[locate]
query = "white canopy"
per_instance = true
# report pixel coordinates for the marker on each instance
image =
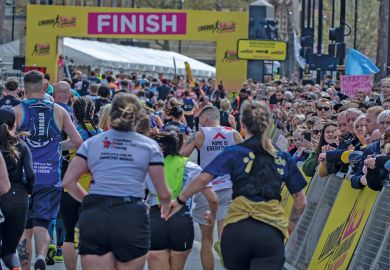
(108, 56)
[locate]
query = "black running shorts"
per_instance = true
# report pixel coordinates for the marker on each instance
(176, 234)
(122, 229)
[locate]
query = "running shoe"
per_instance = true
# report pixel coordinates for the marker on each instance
(51, 252)
(59, 257)
(40, 265)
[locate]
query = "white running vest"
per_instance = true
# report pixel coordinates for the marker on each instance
(215, 140)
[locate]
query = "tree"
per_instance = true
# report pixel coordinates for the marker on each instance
(382, 39)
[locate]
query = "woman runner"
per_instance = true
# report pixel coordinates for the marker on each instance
(255, 227)
(171, 241)
(118, 160)
(14, 204)
(83, 109)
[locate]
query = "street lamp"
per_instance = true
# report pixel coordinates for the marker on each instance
(181, 6)
(13, 6)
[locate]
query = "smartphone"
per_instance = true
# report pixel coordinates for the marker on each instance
(307, 136)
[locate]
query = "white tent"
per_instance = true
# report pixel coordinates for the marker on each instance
(9, 50)
(108, 56)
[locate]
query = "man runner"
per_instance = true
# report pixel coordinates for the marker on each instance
(44, 120)
(210, 140)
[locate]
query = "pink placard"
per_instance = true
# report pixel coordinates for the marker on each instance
(137, 23)
(351, 84)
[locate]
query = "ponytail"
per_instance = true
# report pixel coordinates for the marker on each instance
(256, 117)
(126, 112)
(8, 142)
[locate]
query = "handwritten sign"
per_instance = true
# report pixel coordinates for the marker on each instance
(351, 84)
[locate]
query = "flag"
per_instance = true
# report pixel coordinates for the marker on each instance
(189, 73)
(174, 67)
(359, 64)
(297, 48)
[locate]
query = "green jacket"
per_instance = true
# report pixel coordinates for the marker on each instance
(310, 164)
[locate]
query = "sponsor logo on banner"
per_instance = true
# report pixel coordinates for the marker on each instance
(137, 23)
(41, 49)
(230, 56)
(59, 21)
(343, 229)
(218, 27)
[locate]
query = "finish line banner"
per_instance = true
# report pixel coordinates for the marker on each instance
(343, 228)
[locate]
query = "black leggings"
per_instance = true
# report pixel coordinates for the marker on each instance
(14, 206)
(70, 211)
(251, 244)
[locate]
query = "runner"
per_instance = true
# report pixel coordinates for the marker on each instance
(10, 98)
(176, 113)
(226, 118)
(171, 241)
(70, 208)
(14, 204)
(44, 120)
(118, 159)
(4, 181)
(210, 140)
(255, 225)
(189, 106)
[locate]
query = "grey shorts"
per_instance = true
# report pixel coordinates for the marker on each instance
(201, 205)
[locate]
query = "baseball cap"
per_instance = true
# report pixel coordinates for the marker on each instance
(7, 116)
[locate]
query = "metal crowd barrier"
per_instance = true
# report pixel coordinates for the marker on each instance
(321, 196)
(373, 249)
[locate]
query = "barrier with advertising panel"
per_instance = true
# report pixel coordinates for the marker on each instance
(343, 228)
(45, 24)
(287, 200)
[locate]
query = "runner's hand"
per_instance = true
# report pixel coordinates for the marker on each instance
(322, 157)
(210, 219)
(164, 210)
(174, 207)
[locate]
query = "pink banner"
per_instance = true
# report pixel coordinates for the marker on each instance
(351, 84)
(150, 23)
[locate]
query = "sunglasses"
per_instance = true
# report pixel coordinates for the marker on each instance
(323, 108)
(317, 131)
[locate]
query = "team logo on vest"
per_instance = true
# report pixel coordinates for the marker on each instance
(106, 143)
(249, 162)
(218, 143)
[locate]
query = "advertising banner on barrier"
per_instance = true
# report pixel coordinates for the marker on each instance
(287, 200)
(343, 228)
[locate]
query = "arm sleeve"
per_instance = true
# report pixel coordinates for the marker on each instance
(83, 150)
(222, 164)
(28, 169)
(309, 165)
(374, 179)
(156, 156)
(334, 156)
(295, 181)
(355, 181)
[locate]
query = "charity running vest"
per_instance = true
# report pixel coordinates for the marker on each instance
(44, 141)
(215, 140)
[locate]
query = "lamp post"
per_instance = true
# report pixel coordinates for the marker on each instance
(181, 6)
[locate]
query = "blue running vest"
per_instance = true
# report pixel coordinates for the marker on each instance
(44, 141)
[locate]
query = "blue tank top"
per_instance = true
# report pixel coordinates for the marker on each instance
(44, 141)
(188, 104)
(152, 120)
